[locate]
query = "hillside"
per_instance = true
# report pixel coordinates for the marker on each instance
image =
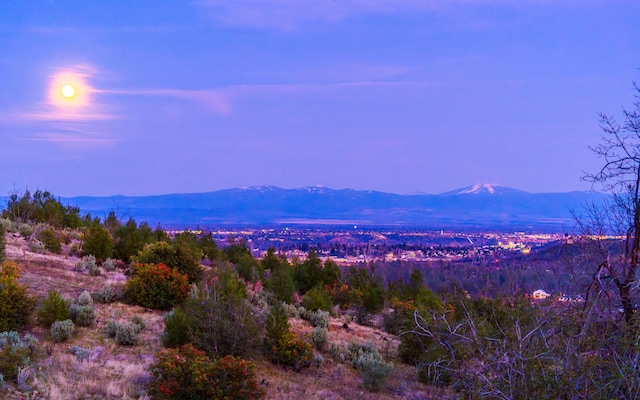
(112, 371)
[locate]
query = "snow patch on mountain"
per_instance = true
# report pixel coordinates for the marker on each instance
(483, 188)
(479, 188)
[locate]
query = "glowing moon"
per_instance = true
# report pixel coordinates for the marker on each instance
(68, 91)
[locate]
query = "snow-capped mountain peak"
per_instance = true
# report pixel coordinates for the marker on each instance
(483, 188)
(260, 188)
(479, 188)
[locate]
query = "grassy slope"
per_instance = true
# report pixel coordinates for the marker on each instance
(119, 372)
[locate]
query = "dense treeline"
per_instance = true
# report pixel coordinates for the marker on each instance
(41, 207)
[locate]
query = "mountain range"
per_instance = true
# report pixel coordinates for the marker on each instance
(480, 206)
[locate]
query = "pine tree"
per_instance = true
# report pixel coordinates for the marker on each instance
(277, 325)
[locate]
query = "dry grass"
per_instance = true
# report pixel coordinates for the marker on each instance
(336, 379)
(111, 372)
(118, 372)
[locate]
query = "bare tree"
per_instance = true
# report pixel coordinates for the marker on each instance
(620, 175)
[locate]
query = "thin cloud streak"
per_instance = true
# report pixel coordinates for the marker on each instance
(63, 30)
(288, 14)
(69, 139)
(220, 99)
(212, 99)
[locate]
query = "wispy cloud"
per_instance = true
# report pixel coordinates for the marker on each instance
(212, 99)
(79, 29)
(220, 100)
(288, 14)
(71, 138)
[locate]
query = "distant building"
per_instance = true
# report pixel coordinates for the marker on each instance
(540, 294)
(571, 299)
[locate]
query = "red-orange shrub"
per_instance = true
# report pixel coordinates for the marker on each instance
(187, 373)
(156, 286)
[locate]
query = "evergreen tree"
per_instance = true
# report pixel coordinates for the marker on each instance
(111, 223)
(309, 273)
(129, 241)
(98, 242)
(280, 281)
(277, 325)
(209, 247)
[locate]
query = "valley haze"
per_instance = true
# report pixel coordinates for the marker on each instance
(477, 207)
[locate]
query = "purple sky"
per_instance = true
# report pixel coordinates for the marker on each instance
(391, 95)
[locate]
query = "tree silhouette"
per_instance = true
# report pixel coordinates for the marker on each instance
(620, 175)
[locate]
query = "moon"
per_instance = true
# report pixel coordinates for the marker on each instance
(68, 91)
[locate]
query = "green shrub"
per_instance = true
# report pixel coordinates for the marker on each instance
(175, 256)
(112, 327)
(126, 334)
(97, 241)
(138, 323)
(293, 351)
(291, 310)
(75, 250)
(281, 283)
(15, 304)
(176, 329)
(15, 352)
(82, 315)
(86, 264)
(375, 371)
(217, 319)
(85, 299)
(25, 230)
(249, 268)
(8, 225)
(104, 295)
(81, 353)
(61, 330)
(187, 373)
(319, 337)
(223, 326)
(368, 360)
(93, 270)
(156, 286)
(109, 265)
(318, 360)
(36, 246)
(50, 239)
(317, 318)
(82, 311)
(54, 308)
(317, 299)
